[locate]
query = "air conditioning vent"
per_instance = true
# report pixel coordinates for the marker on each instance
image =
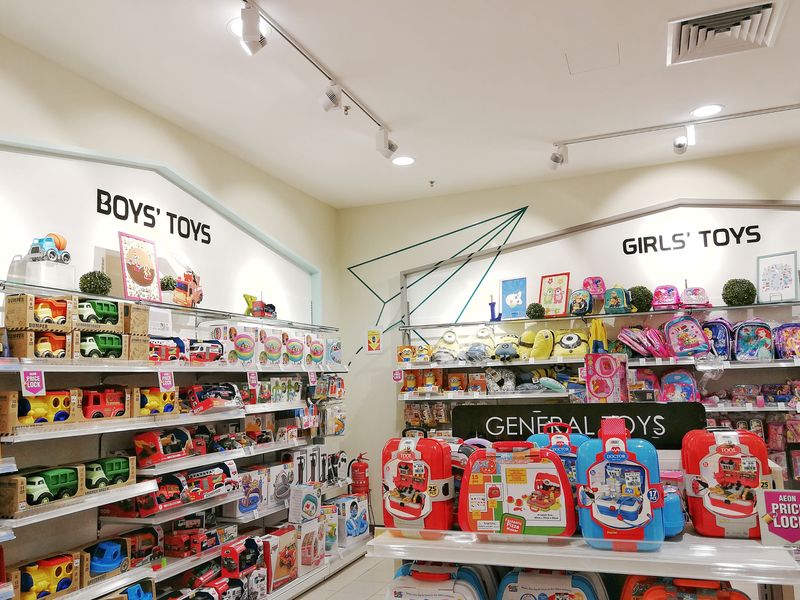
(718, 34)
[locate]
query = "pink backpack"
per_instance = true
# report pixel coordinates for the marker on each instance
(650, 381)
(645, 341)
(695, 297)
(666, 297)
(679, 386)
(686, 337)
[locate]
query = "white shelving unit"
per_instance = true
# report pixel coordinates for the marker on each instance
(81, 503)
(749, 408)
(176, 566)
(112, 584)
(8, 465)
(475, 396)
(190, 462)
(268, 407)
(254, 515)
(177, 512)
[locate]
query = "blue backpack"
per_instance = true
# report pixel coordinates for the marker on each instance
(720, 333)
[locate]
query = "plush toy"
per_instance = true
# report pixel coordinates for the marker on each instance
(571, 342)
(500, 380)
(481, 346)
(507, 348)
(542, 344)
(526, 343)
(446, 349)
(552, 385)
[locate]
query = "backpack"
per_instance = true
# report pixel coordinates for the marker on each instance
(597, 288)
(752, 340)
(685, 337)
(645, 341)
(598, 339)
(720, 333)
(787, 340)
(580, 303)
(666, 297)
(679, 386)
(571, 342)
(695, 297)
(618, 301)
(650, 381)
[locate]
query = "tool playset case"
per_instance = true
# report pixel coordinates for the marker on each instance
(514, 487)
(563, 443)
(644, 587)
(444, 583)
(532, 585)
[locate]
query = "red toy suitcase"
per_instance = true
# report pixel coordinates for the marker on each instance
(724, 468)
(641, 587)
(417, 483)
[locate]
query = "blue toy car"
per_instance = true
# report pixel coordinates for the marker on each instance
(135, 592)
(106, 557)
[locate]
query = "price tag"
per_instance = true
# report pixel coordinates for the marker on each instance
(476, 394)
(312, 378)
(726, 364)
(797, 361)
(252, 380)
(427, 396)
(748, 406)
(659, 360)
(397, 376)
(642, 362)
(450, 395)
(672, 360)
(531, 361)
(166, 381)
(32, 382)
(405, 395)
(559, 360)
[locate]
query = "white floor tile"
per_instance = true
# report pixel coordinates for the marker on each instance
(358, 590)
(382, 572)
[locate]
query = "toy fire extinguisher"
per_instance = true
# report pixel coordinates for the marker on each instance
(358, 471)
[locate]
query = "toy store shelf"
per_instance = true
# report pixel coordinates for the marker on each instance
(461, 396)
(35, 433)
(691, 557)
(268, 407)
(480, 364)
(6, 534)
(750, 408)
(6, 591)
(273, 447)
(333, 490)
(254, 516)
(199, 313)
(104, 588)
(190, 462)
(346, 556)
(81, 503)
(8, 465)
(175, 513)
(712, 365)
(176, 566)
(54, 365)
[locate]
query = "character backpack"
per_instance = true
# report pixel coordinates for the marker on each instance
(443, 582)
(620, 495)
(666, 297)
(720, 333)
(417, 482)
(724, 468)
(597, 289)
(572, 343)
(686, 337)
(580, 303)
(786, 338)
(647, 587)
(618, 301)
(525, 584)
(516, 488)
(752, 340)
(679, 386)
(650, 381)
(695, 297)
(559, 438)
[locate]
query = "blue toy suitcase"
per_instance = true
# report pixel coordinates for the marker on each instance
(532, 584)
(565, 444)
(620, 495)
(421, 581)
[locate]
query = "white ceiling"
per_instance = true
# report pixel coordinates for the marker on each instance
(476, 90)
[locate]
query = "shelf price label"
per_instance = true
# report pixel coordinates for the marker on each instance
(166, 381)
(779, 516)
(32, 382)
(397, 376)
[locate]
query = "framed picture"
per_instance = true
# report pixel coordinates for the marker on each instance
(139, 268)
(513, 298)
(777, 277)
(554, 294)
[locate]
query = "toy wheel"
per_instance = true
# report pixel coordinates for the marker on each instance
(61, 320)
(43, 594)
(40, 420)
(63, 584)
(25, 582)
(46, 354)
(94, 354)
(64, 494)
(61, 416)
(168, 408)
(47, 320)
(92, 319)
(45, 499)
(97, 415)
(60, 353)
(109, 321)
(51, 255)
(101, 484)
(118, 479)
(119, 413)
(113, 355)
(66, 257)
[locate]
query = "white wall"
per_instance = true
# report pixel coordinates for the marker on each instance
(369, 232)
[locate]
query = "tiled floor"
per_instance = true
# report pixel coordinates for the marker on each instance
(365, 579)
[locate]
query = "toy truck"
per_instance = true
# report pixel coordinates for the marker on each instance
(50, 345)
(98, 404)
(98, 311)
(187, 290)
(51, 484)
(153, 401)
(105, 345)
(47, 576)
(51, 407)
(51, 247)
(48, 310)
(107, 471)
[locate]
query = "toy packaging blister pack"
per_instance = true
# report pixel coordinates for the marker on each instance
(563, 443)
(516, 488)
(619, 490)
(606, 378)
(724, 468)
(445, 582)
(417, 483)
(531, 584)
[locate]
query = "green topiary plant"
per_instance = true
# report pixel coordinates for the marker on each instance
(738, 292)
(96, 283)
(641, 298)
(167, 283)
(535, 311)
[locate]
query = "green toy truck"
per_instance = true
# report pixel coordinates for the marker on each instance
(98, 311)
(52, 484)
(107, 471)
(101, 345)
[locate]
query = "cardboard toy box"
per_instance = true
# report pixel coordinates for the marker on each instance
(406, 354)
(269, 547)
(298, 458)
(98, 315)
(104, 402)
(269, 347)
(136, 319)
(138, 348)
(39, 313)
(172, 491)
(353, 518)
(311, 544)
(212, 480)
(53, 408)
(240, 557)
(36, 344)
(305, 502)
(147, 587)
(104, 346)
(109, 472)
(279, 483)
(255, 489)
(41, 573)
(157, 445)
(183, 544)
(238, 340)
(330, 521)
(146, 545)
(284, 567)
(104, 559)
(57, 484)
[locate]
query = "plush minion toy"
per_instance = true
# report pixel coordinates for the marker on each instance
(446, 349)
(482, 345)
(526, 343)
(507, 348)
(542, 344)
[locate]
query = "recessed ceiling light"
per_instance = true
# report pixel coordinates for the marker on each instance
(403, 161)
(709, 110)
(235, 27)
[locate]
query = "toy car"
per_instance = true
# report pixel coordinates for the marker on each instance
(45, 577)
(187, 290)
(105, 471)
(201, 574)
(205, 352)
(98, 404)
(51, 484)
(153, 401)
(204, 480)
(204, 397)
(51, 247)
(101, 345)
(50, 407)
(135, 592)
(50, 345)
(48, 310)
(144, 545)
(98, 311)
(105, 557)
(166, 349)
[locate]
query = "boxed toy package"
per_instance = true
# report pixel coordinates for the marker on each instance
(311, 540)
(606, 378)
(305, 502)
(522, 584)
(270, 347)
(283, 568)
(330, 520)
(279, 484)
(353, 517)
(417, 582)
(238, 340)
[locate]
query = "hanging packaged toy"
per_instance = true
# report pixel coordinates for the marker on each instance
(606, 378)
(618, 301)
(515, 488)
(666, 297)
(752, 340)
(572, 343)
(724, 468)
(686, 337)
(417, 483)
(620, 495)
(720, 333)
(559, 438)
(580, 303)
(787, 340)
(443, 582)
(695, 297)
(534, 585)
(679, 386)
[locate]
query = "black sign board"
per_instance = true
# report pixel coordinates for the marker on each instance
(662, 424)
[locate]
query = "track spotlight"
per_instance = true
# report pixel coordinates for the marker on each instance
(384, 145)
(559, 157)
(682, 142)
(332, 100)
(252, 38)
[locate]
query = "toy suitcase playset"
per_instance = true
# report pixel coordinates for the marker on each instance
(417, 483)
(563, 443)
(533, 585)
(515, 488)
(644, 587)
(619, 490)
(724, 468)
(443, 582)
